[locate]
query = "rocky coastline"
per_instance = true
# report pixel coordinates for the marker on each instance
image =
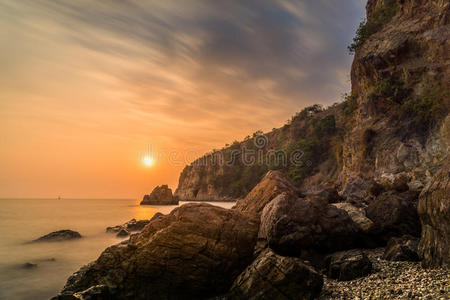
(369, 221)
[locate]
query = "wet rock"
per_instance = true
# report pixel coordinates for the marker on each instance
(156, 216)
(194, 252)
(61, 235)
(434, 211)
(402, 249)
(161, 195)
(123, 233)
(29, 265)
(348, 265)
(394, 214)
(290, 224)
(272, 185)
(130, 226)
(271, 276)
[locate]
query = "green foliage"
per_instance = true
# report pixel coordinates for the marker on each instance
(390, 90)
(350, 104)
(430, 108)
(306, 113)
(325, 126)
(380, 16)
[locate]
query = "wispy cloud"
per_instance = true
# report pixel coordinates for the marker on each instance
(182, 72)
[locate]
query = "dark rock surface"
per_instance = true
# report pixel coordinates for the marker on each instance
(402, 249)
(161, 195)
(291, 224)
(29, 265)
(348, 265)
(123, 233)
(434, 211)
(131, 226)
(327, 194)
(194, 252)
(272, 185)
(271, 276)
(60, 235)
(395, 214)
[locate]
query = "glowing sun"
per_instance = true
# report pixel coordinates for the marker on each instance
(148, 161)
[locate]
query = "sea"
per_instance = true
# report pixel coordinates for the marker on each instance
(23, 220)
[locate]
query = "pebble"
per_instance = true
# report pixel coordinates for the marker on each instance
(391, 280)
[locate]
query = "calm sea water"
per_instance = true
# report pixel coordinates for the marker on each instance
(23, 220)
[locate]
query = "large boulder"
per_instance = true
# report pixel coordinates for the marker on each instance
(394, 214)
(348, 265)
(60, 235)
(194, 252)
(402, 249)
(272, 276)
(272, 185)
(290, 224)
(161, 195)
(434, 211)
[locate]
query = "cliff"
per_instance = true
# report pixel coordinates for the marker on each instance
(306, 149)
(400, 78)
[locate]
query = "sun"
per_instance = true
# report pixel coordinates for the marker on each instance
(148, 161)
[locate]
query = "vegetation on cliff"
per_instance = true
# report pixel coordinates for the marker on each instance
(381, 15)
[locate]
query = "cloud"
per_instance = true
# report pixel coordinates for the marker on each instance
(185, 72)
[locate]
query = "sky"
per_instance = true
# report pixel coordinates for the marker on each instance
(88, 89)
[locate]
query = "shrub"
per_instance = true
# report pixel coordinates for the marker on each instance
(350, 104)
(380, 16)
(430, 108)
(390, 90)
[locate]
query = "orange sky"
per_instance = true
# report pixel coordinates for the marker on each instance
(87, 87)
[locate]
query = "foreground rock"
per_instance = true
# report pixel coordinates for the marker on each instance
(272, 185)
(348, 265)
(194, 252)
(402, 249)
(434, 211)
(161, 195)
(57, 236)
(290, 225)
(391, 280)
(272, 276)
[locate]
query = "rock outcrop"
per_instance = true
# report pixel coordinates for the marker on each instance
(348, 265)
(272, 185)
(395, 214)
(60, 235)
(271, 276)
(161, 195)
(194, 252)
(291, 225)
(434, 211)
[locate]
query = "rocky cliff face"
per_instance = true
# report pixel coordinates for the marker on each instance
(400, 78)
